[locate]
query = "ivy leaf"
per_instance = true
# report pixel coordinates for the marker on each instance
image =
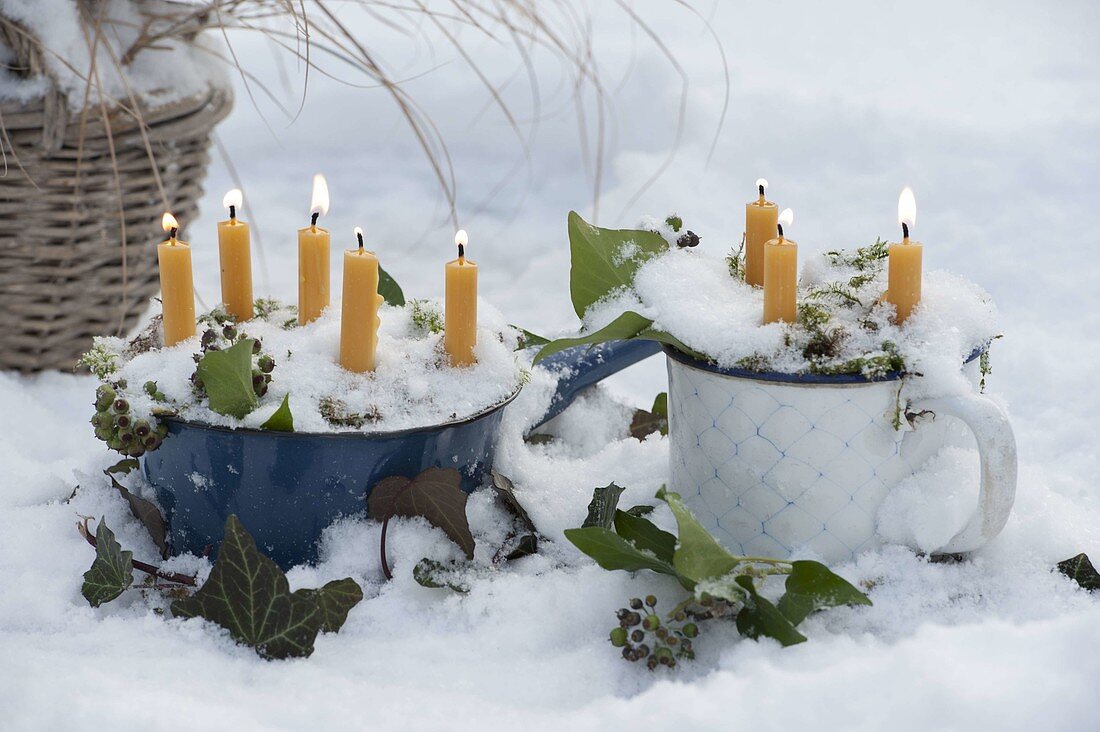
(430, 573)
(112, 570)
(604, 260)
(601, 510)
(389, 289)
(528, 339)
(699, 555)
(646, 422)
(227, 377)
(643, 509)
(760, 617)
(143, 510)
(1080, 570)
(506, 492)
(124, 466)
(612, 551)
(435, 495)
(527, 545)
(248, 595)
(281, 420)
(628, 325)
(812, 586)
(335, 600)
(645, 535)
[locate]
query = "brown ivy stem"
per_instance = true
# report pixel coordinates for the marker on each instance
(180, 579)
(382, 549)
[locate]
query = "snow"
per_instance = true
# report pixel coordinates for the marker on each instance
(991, 118)
(412, 384)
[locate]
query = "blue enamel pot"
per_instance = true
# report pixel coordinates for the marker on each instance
(286, 487)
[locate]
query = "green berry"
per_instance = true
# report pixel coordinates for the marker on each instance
(162, 430)
(150, 442)
(125, 437)
(257, 346)
(636, 603)
(618, 637)
(675, 222)
(150, 388)
(121, 406)
(651, 600)
(637, 636)
(651, 622)
(662, 633)
(104, 397)
(679, 617)
(137, 451)
(628, 653)
(208, 338)
(690, 630)
(142, 428)
(229, 332)
(634, 619)
(122, 421)
(651, 663)
(266, 363)
(102, 433)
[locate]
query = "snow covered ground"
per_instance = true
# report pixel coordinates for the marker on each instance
(988, 110)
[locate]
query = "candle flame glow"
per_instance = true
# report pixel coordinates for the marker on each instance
(461, 238)
(762, 183)
(168, 222)
(358, 232)
(907, 207)
(233, 198)
(786, 218)
(319, 204)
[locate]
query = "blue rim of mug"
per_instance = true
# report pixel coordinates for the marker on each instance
(377, 434)
(777, 376)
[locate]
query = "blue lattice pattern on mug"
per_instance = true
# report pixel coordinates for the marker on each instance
(770, 476)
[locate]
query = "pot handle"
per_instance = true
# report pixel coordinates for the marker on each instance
(582, 366)
(997, 450)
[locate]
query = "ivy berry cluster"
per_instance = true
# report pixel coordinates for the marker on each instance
(262, 365)
(115, 424)
(671, 639)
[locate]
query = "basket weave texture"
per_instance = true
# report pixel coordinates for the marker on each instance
(78, 222)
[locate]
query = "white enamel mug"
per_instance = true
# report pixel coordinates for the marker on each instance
(774, 464)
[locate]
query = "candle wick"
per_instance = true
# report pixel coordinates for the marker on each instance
(461, 251)
(172, 235)
(313, 218)
(779, 228)
(360, 238)
(232, 212)
(761, 189)
(904, 230)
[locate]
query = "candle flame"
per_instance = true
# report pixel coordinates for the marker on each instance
(907, 207)
(233, 198)
(786, 218)
(319, 204)
(461, 238)
(168, 222)
(762, 183)
(358, 232)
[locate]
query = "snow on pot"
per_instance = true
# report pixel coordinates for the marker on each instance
(312, 439)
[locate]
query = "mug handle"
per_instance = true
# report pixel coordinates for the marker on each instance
(997, 451)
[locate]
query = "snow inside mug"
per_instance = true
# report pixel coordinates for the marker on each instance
(774, 463)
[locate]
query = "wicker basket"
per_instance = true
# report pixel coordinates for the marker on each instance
(76, 254)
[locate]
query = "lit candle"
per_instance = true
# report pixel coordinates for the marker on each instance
(460, 311)
(177, 287)
(359, 305)
(313, 262)
(234, 250)
(904, 281)
(761, 216)
(781, 274)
